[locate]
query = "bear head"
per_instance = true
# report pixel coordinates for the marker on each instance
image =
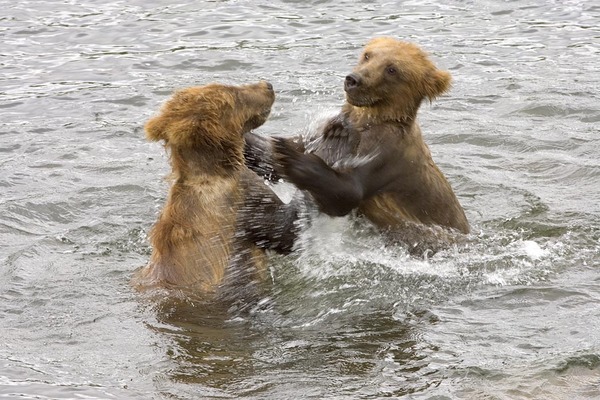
(204, 125)
(392, 78)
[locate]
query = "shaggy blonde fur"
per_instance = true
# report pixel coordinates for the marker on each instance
(200, 241)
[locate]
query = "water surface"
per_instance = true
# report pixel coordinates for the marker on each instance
(513, 316)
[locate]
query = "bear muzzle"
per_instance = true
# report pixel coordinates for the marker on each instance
(352, 81)
(357, 93)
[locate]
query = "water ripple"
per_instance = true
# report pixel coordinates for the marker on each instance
(512, 314)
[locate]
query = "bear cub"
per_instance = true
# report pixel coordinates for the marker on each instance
(371, 157)
(219, 217)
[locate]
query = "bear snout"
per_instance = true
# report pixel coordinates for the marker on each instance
(352, 81)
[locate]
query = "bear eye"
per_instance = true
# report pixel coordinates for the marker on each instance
(391, 70)
(366, 56)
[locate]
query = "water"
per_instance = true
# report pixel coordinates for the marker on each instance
(513, 316)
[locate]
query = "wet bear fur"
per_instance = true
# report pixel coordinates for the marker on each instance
(371, 157)
(219, 217)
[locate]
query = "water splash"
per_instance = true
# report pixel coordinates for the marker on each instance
(344, 265)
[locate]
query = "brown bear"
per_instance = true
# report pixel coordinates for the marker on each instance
(219, 217)
(372, 156)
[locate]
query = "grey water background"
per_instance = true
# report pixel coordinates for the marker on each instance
(516, 315)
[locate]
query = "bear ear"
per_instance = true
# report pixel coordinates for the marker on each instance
(155, 129)
(437, 83)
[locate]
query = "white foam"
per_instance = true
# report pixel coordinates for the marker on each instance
(533, 250)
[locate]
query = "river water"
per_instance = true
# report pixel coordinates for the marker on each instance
(516, 315)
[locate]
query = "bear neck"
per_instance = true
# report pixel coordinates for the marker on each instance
(187, 163)
(362, 116)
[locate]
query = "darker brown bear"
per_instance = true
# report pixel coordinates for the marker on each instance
(219, 217)
(372, 156)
